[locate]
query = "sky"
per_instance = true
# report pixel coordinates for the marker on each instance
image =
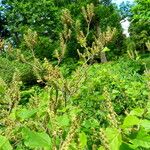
(125, 23)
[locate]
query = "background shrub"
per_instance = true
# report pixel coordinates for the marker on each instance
(8, 68)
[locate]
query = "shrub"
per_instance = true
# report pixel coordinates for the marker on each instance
(7, 69)
(126, 86)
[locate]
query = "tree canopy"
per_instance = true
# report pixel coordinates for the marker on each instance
(140, 23)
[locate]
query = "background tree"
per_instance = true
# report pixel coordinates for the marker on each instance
(140, 24)
(3, 31)
(44, 18)
(40, 16)
(106, 14)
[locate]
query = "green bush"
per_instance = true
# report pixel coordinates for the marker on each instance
(69, 65)
(127, 87)
(146, 62)
(7, 69)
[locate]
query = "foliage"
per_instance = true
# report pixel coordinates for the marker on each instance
(131, 49)
(8, 68)
(42, 16)
(140, 26)
(54, 92)
(3, 31)
(126, 87)
(131, 134)
(91, 108)
(93, 46)
(105, 14)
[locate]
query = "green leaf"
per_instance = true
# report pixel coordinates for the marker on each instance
(141, 140)
(82, 139)
(114, 138)
(146, 124)
(91, 123)
(137, 112)
(63, 120)
(125, 146)
(130, 121)
(2, 89)
(12, 115)
(34, 139)
(106, 49)
(101, 148)
(25, 113)
(4, 143)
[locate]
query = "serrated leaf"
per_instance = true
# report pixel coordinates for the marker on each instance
(114, 138)
(34, 139)
(130, 121)
(4, 143)
(25, 113)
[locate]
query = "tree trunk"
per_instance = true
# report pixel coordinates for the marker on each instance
(103, 57)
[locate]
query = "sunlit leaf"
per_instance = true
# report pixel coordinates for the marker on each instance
(25, 113)
(63, 120)
(137, 112)
(146, 124)
(106, 49)
(34, 139)
(82, 139)
(142, 139)
(4, 143)
(114, 138)
(130, 121)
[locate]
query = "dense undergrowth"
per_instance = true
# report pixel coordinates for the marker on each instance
(100, 106)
